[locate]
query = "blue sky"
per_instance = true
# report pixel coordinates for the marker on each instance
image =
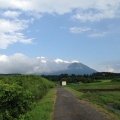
(84, 30)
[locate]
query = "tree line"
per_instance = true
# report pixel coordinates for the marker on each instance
(95, 77)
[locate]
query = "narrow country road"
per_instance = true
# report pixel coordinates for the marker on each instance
(68, 107)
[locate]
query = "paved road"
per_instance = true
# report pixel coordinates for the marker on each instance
(68, 107)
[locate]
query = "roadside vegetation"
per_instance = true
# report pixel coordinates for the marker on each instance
(102, 84)
(101, 89)
(20, 95)
(105, 94)
(44, 108)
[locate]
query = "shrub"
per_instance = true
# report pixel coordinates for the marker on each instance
(14, 102)
(18, 98)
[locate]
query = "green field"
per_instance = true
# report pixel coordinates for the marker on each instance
(104, 84)
(108, 100)
(22, 95)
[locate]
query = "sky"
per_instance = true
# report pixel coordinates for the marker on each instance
(44, 35)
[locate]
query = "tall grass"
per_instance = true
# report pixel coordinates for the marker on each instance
(44, 108)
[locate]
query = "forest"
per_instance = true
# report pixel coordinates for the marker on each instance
(95, 77)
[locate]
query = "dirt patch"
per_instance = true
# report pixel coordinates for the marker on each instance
(68, 107)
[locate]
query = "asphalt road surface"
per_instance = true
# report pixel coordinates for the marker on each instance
(68, 107)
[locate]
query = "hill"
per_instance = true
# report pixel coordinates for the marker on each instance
(77, 69)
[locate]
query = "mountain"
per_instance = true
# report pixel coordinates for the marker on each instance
(76, 68)
(21, 64)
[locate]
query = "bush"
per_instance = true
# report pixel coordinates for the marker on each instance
(18, 98)
(14, 101)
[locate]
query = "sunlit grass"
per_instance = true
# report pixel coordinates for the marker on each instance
(104, 84)
(103, 99)
(44, 108)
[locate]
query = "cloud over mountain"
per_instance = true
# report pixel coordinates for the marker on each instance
(19, 63)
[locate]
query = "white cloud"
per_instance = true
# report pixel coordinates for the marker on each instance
(58, 60)
(92, 16)
(10, 32)
(99, 10)
(83, 10)
(109, 69)
(97, 35)
(61, 61)
(11, 14)
(3, 58)
(75, 61)
(19, 63)
(110, 66)
(79, 29)
(11, 26)
(105, 8)
(42, 6)
(8, 39)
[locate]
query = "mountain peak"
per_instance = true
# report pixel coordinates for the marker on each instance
(75, 65)
(79, 68)
(76, 68)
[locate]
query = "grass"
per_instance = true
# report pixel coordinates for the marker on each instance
(44, 108)
(104, 84)
(76, 93)
(102, 101)
(27, 92)
(103, 98)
